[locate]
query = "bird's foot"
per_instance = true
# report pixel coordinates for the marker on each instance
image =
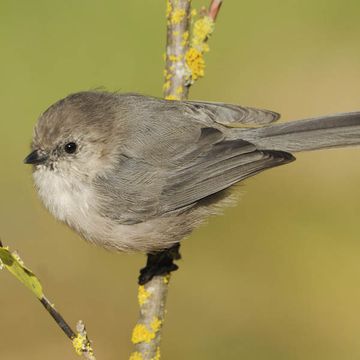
(159, 264)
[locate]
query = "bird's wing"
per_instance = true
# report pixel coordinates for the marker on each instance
(231, 115)
(179, 173)
(223, 164)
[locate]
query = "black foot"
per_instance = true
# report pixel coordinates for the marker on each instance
(160, 263)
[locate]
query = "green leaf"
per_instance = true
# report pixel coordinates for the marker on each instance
(14, 264)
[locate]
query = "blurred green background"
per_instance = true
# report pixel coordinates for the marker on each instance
(276, 277)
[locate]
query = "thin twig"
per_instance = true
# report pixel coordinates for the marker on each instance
(13, 263)
(184, 65)
(80, 339)
(214, 9)
(64, 326)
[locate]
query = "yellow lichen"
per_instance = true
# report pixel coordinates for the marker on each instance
(172, 97)
(203, 28)
(177, 16)
(142, 334)
(167, 279)
(205, 47)
(195, 62)
(175, 58)
(143, 294)
(166, 85)
(193, 12)
(168, 8)
(136, 356)
(156, 324)
(78, 343)
(179, 90)
(185, 38)
(167, 75)
(157, 355)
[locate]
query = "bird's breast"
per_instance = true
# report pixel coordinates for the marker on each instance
(68, 200)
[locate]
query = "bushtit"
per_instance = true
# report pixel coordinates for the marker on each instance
(137, 173)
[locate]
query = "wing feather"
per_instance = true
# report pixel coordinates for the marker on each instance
(230, 115)
(140, 190)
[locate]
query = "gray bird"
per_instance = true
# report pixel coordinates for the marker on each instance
(136, 173)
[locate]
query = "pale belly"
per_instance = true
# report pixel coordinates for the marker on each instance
(76, 204)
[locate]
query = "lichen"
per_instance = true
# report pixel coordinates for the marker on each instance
(136, 356)
(166, 85)
(157, 355)
(168, 76)
(177, 16)
(156, 324)
(185, 38)
(196, 63)
(179, 90)
(203, 28)
(175, 58)
(78, 343)
(172, 97)
(143, 295)
(142, 334)
(168, 8)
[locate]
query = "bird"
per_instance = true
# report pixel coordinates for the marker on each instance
(136, 173)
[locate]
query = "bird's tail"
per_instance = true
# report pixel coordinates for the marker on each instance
(340, 130)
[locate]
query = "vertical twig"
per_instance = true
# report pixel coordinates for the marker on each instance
(147, 333)
(176, 84)
(184, 64)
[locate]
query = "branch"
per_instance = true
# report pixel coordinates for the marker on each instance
(184, 65)
(12, 262)
(176, 72)
(147, 332)
(214, 9)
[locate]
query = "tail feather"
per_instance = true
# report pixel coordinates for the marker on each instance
(340, 130)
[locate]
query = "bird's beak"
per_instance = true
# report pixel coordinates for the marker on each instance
(36, 157)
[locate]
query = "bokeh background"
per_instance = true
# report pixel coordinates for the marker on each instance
(276, 277)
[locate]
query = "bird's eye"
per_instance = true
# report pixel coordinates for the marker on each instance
(70, 147)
